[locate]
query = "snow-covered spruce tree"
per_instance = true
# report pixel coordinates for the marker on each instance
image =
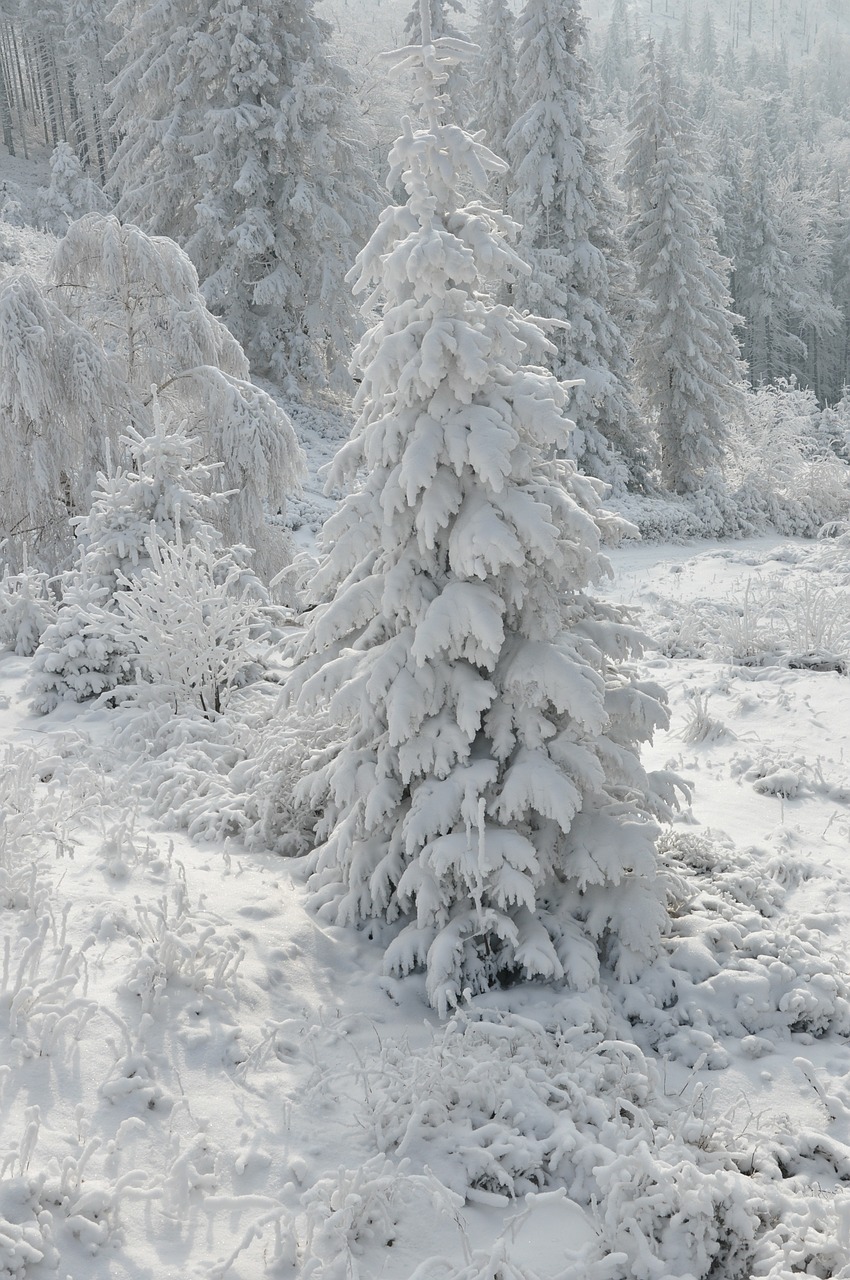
(273, 195)
(559, 198)
(686, 354)
(284, 196)
(494, 83)
(71, 192)
(87, 650)
(27, 607)
(483, 793)
(153, 105)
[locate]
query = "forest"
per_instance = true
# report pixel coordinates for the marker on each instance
(424, 639)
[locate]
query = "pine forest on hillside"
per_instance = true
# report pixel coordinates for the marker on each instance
(424, 641)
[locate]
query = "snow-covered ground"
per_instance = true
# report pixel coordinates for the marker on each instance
(199, 1079)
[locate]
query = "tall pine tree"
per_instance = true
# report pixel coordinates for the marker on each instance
(686, 352)
(237, 141)
(483, 794)
(560, 198)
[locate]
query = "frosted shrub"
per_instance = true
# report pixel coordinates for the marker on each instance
(500, 1104)
(782, 468)
(729, 968)
(802, 626)
(88, 650)
(504, 1105)
(346, 1214)
(189, 624)
(483, 794)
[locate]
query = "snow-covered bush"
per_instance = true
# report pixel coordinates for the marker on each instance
(804, 625)
(730, 969)
(190, 622)
(782, 469)
(499, 1104)
(156, 501)
(71, 192)
(483, 793)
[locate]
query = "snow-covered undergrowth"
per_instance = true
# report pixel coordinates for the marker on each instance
(198, 1078)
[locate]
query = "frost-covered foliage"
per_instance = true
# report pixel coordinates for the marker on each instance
(71, 192)
(120, 321)
(686, 354)
(54, 380)
(190, 619)
(484, 793)
(251, 162)
(730, 968)
(90, 648)
(560, 196)
(767, 624)
(782, 463)
(501, 1104)
(27, 606)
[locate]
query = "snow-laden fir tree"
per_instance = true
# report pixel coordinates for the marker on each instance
(154, 108)
(559, 196)
(273, 196)
(284, 197)
(87, 650)
(27, 607)
(686, 354)
(482, 792)
(764, 274)
(494, 83)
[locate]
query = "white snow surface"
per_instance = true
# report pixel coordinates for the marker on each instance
(199, 1079)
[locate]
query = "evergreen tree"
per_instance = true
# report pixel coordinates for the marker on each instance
(615, 66)
(155, 107)
(707, 57)
(686, 353)
(284, 195)
(483, 794)
(495, 83)
(559, 197)
(252, 168)
(764, 277)
(87, 650)
(457, 86)
(71, 193)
